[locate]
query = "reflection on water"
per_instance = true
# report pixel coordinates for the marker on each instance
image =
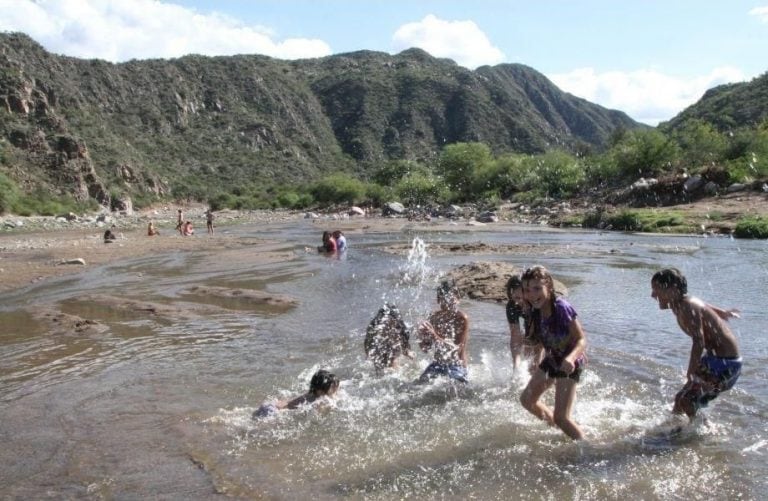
(159, 405)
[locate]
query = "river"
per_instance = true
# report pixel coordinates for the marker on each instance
(158, 407)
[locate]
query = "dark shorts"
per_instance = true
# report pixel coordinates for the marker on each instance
(453, 371)
(720, 372)
(552, 368)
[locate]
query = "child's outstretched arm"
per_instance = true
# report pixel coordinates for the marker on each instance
(725, 314)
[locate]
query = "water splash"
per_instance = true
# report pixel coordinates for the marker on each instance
(415, 277)
(416, 270)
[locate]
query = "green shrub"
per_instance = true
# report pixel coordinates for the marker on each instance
(43, 204)
(644, 153)
(9, 193)
(626, 220)
(337, 189)
(377, 194)
(752, 227)
(221, 201)
(419, 189)
(646, 220)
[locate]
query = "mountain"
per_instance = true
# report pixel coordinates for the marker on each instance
(91, 128)
(728, 107)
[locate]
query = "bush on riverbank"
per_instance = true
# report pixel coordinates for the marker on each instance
(12, 200)
(752, 227)
(644, 220)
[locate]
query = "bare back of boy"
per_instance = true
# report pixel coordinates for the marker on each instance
(453, 325)
(706, 328)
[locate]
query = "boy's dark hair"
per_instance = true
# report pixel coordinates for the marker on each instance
(322, 382)
(671, 277)
(448, 287)
(514, 282)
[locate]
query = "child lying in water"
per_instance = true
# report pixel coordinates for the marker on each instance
(323, 384)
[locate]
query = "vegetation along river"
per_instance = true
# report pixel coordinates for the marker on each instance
(155, 400)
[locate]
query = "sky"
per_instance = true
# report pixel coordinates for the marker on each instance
(648, 58)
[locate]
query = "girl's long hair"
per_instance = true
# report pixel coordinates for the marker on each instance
(538, 272)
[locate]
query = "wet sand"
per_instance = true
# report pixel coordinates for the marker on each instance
(27, 258)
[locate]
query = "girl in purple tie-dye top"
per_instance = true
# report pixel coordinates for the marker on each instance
(555, 325)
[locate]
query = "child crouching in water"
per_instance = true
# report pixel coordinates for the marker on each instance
(553, 323)
(387, 338)
(323, 384)
(714, 364)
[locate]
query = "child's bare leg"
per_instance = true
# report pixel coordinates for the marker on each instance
(538, 384)
(565, 395)
(684, 404)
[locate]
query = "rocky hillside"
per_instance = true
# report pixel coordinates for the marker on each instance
(728, 106)
(95, 129)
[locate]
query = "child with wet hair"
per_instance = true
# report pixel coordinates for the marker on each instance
(387, 338)
(322, 384)
(555, 325)
(521, 343)
(447, 330)
(715, 363)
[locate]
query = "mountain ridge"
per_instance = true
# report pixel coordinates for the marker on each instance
(90, 127)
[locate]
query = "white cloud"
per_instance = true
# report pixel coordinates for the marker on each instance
(140, 29)
(648, 96)
(761, 13)
(462, 41)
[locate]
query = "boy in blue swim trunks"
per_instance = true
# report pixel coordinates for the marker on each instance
(715, 362)
(447, 330)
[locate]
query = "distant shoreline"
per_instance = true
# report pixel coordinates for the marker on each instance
(35, 251)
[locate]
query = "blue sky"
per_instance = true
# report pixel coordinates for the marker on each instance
(649, 58)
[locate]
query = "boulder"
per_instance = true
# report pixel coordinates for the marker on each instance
(123, 204)
(487, 217)
(486, 281)
(392, 209)
(79, 261)
(693, 183)
(643, 184)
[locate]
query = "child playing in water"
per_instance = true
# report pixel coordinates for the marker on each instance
(323, 384)
(521, 344)
(710, 373)
(447, 329)
(387, 338)
(329, 244)
(553, 323)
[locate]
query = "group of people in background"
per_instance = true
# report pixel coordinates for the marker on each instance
(545, 330)
(333, 242)
(185, 228)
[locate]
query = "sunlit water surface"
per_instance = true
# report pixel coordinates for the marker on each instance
(159, 407)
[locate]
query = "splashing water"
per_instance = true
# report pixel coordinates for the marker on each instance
(416, 277)
(416, 271)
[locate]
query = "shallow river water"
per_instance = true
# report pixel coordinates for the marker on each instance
(158, 407)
